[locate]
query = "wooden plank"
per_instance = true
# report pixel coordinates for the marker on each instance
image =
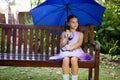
(8, 42)
(19, 40)
(25, 42)
(3, 40)
(85, 41)
(19, 43)
(91, 39)
(36, 44)
(25, 63)
(0, 38)
(41, 41)
(53, 43)
(14, 43)
(58, 42)
(36, 41)
(47, 41)
(31, 43)
(3, 43)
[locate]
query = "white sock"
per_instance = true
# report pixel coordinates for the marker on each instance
(65, 76)
(74, 77)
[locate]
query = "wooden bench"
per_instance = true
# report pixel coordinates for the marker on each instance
(31, 46)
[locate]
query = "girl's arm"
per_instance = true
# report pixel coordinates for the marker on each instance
(77, 45)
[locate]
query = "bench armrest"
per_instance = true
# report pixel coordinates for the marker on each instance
(97, 55)
(97, 50)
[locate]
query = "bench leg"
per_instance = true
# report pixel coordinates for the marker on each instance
(90, 74)
(96, 73)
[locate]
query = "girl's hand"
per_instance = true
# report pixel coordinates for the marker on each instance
(67, 33)
(64, 42)
(64, 38)
(69, 47)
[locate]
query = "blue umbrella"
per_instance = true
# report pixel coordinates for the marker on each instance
(55, 12)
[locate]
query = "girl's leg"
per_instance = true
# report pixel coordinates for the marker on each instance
(66, 68)
(74, 68)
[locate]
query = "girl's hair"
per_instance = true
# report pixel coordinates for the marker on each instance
(67, 27)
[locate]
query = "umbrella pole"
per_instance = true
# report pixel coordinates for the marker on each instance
(67, 5)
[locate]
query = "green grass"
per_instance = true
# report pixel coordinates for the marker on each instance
(108, 71)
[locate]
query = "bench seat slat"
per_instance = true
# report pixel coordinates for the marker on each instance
(37, 63)
(21, 56)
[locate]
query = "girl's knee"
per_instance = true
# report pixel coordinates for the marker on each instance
(66, 60)
(74, 60)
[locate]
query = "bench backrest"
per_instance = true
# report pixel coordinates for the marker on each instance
(37, 39)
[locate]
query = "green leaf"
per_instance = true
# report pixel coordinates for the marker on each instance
(118, 28)
(100, 31)
(109, 29)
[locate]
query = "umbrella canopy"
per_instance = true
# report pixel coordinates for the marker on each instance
(55, 12)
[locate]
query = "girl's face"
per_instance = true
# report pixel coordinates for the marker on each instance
(73, 23)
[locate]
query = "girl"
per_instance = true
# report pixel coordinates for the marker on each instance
(70, 43)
